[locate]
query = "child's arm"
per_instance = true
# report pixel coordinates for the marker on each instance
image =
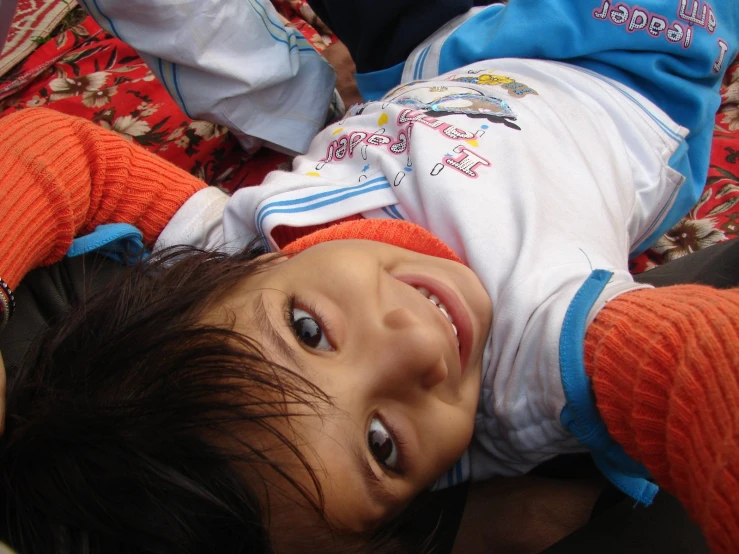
(61, 176)
(664, 365)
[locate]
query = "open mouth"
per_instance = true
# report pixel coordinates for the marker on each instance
(443, 309)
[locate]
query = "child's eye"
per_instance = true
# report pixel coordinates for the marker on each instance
(308, 330)
(382, 445)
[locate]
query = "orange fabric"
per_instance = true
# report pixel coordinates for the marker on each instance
(665, 370)
(284, 235)
(390, 231)
(62, 176)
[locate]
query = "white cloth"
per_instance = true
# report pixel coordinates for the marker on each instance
(534, 172)
(231, 62)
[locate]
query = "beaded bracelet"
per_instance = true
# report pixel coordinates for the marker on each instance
(7, 303)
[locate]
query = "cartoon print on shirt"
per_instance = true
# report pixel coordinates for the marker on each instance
(397, 91)
(504, 119)
(488, 78)
(692, 16)
(347, 144)
(441, 100)
(425, 105)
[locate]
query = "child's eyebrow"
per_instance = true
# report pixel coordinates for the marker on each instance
(264, 324)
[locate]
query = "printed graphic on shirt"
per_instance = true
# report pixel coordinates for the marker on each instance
(488, 78)
(441, 100)
(401, 88)
(357, 144)
(693, 16)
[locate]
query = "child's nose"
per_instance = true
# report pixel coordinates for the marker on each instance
(415, 353)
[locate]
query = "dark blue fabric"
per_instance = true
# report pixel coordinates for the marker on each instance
(382, 33)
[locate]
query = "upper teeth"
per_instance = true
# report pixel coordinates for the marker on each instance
(436, 302)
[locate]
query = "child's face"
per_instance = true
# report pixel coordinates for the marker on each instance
(354, 318)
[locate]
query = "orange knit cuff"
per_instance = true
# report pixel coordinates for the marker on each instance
(664, 364)
(402, 234)
(62, 175)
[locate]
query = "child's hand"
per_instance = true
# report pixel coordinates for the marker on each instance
(340, 59)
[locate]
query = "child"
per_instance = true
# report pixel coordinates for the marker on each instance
(573, 167)
(542, 176)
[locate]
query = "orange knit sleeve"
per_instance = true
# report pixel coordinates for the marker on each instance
(664, 364)
(61, 176)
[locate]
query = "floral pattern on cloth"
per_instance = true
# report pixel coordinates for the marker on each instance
(715, 218)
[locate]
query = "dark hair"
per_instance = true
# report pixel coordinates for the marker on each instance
(125, 430)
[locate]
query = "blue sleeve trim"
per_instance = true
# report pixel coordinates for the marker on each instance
(580, 415)
(374, 85)
(119, 241)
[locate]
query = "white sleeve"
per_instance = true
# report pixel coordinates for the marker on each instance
(231, 62)
(199, 223)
